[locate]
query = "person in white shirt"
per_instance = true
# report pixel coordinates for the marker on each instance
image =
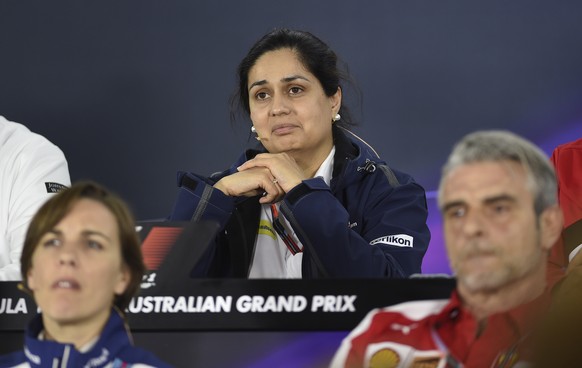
(32, 169)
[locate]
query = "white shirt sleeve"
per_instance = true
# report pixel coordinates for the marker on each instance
(32, 169)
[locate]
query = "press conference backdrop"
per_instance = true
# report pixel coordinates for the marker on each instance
(242, 323)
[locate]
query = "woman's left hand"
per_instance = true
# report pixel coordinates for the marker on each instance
(282, 166)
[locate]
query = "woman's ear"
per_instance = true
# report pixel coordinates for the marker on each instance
(336, 101)
(123, 280)
(30, 279)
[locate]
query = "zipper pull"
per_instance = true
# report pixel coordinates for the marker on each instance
(369, 166)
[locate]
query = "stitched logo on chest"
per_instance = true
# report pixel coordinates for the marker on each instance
(385, 358)
(399, 240)
(404, 328)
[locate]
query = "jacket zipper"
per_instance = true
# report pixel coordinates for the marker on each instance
(65, 361)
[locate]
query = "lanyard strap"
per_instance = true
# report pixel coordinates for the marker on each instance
(283, 234)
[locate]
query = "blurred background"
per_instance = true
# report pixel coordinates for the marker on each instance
(133, 91)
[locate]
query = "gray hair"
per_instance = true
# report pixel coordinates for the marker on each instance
(499, 145)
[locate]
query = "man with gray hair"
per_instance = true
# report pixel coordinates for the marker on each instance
(497, 196)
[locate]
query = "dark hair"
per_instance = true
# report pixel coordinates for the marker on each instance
(317, 57)
(56, 208)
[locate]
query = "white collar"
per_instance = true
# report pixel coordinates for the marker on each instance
(325, 171)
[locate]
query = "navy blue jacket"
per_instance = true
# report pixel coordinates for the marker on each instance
(370, 221)
(112, 349)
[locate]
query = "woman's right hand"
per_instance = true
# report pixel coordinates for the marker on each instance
(250, 183)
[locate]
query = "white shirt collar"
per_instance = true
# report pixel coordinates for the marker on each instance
(326, 168)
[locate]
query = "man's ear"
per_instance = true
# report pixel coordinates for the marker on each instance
(551, 222)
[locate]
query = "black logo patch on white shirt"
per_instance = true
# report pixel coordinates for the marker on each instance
(54, 187)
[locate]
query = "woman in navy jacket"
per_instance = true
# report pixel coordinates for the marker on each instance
(313, 200)
(82, 263)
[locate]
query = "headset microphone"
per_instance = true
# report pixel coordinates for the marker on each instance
(254, 130)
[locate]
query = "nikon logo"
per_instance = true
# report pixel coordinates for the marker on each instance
(399, 240)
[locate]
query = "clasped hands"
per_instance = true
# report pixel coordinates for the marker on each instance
(268, 174)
